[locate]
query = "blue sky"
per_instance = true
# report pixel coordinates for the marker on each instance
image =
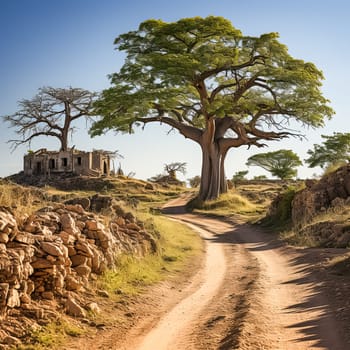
(63, 43)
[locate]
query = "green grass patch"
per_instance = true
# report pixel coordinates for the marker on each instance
(51, 336)
(176, 245)
(227, 204)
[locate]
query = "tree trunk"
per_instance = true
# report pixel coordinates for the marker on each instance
(64, 141)
(213, 180)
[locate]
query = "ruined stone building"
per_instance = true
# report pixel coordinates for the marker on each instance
(44, 162)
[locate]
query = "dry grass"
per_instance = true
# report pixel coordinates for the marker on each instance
(21, 199)
(309, 233)
(228, 204)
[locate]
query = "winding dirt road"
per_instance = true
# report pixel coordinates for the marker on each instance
(251, 293)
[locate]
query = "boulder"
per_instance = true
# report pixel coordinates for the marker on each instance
(73, 308)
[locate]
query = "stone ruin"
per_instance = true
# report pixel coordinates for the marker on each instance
(48, 257)
(45, 163)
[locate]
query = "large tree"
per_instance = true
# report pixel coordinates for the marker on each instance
(334, 149)
(51, 113)
(281, 163)
(216, 86)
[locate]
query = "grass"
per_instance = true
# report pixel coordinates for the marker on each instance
(227, 204)
(21, 199)
(308, 233)
(177, 244)
(51, 336)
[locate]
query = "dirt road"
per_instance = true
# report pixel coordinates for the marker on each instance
(252, 293)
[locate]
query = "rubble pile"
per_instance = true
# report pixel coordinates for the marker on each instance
(51, 255)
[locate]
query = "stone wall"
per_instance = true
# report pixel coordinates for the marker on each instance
(320, 195)
(52, 255)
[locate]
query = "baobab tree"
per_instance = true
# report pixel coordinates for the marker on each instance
(51, 113)
(216, 86)
(175, 167)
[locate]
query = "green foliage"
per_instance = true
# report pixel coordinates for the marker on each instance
(280, 163)
(260, 177)
(280, 216)
(52, 335)
(216, 86)
(239, 176)
(195, 181)
(183, 73)
(335, 149)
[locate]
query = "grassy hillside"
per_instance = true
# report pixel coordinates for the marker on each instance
(177, 246)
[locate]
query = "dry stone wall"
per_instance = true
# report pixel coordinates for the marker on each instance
(52, 254)
(320, 195)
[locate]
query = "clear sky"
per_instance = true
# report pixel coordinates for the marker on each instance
(63, 43)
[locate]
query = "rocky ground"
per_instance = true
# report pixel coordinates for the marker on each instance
(48, 259)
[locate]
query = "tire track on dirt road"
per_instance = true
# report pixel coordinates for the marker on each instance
(265, 302)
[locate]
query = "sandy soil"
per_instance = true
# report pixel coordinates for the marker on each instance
(250, 292)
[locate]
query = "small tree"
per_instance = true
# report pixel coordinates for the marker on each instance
(239, 176)
(260, 177)
(195, 181)
(50, 113)
(335, 149)
(175, 167)
(280, 163)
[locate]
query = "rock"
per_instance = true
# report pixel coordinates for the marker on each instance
(51, 248)
(99, 203)
(7, 219)
(68, 224)
(120, 221)
(91, 225)
(84, 202)
(4, 238)
(75, 208)
(73, 308)
(93, 307)
(84, 248)
(103, 293)
(25, 237)
(41, 263)
(73, 284)
(332, 189)
(25, 299)
(4, 289)
(133, 226)
(78, 260)
(9, 340)
(13, 299)
(48, 295)
(67, 238)
(82, 270)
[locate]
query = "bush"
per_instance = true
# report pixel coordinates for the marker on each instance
(280, 213)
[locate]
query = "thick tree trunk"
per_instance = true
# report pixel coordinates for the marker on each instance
(213, 181)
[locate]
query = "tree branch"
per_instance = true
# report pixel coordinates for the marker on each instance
(186, 130)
